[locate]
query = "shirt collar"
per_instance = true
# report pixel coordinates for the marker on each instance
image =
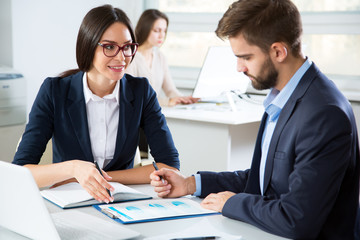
(88, 94)
(275, 100)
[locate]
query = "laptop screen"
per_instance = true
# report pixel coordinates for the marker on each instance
(219, 75)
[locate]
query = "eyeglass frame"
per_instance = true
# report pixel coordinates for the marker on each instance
(103, 45)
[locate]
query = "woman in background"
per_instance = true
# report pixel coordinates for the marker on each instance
(149, 62)
(94, 113)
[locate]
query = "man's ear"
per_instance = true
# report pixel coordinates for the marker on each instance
(278, 51)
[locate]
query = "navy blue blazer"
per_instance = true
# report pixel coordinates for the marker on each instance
(59, 112)
(311, 185)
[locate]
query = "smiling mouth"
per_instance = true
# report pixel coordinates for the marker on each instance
(116, 67)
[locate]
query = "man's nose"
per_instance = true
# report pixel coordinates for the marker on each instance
(240, 67)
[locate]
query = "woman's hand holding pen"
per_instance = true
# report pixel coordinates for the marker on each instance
(175, 184)
(92, 181)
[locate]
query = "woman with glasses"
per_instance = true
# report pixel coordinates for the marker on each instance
(149, 62)
(93, 114)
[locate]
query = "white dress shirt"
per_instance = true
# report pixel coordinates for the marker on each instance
(103, 120)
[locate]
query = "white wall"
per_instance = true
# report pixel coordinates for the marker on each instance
(44, 35)
(5, 33)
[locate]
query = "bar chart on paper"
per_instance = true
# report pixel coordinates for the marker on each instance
(153, 210)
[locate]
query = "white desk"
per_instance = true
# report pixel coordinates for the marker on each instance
(150, 229)
(214, 138)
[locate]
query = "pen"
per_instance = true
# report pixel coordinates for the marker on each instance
(156, 168)
(98, 168)
(108, 213)
(196, 238)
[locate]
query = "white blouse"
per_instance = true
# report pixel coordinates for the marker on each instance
(103, 120)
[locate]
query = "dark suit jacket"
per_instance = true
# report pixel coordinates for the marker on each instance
(311, 186)
(59, 112)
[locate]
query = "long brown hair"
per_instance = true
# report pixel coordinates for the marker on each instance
(94, 24)
(146, 23)
(263, 22)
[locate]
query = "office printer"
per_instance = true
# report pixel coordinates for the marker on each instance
(12, 97)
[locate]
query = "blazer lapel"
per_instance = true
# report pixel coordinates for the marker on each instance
(253, 185)
(126, 110)
(76, 109)
(285, 114)
(283, 118)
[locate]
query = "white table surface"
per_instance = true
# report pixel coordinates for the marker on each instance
(151, 229)
(247, 111)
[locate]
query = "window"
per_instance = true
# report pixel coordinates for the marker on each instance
(334, 54)
(194, 6)
(331, 36)
(327, 5)
(188, 49)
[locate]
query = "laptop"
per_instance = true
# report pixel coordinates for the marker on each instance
(23, 210)
(219, 75)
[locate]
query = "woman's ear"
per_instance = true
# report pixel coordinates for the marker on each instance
(278, 51)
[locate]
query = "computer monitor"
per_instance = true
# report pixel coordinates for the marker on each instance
(219, 75)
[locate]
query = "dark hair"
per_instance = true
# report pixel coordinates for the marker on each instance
(94, 24)
(146, 23)
(263, 22)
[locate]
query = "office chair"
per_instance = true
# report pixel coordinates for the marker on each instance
(47, 155)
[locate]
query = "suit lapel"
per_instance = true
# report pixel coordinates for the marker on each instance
(283, 118)
(253, 185)
(126, 110)
(285, 115)
(76, 110)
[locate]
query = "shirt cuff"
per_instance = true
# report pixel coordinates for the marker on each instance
(198, 185)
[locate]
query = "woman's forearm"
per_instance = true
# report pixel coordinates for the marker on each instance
(47, 175)
(139, 175)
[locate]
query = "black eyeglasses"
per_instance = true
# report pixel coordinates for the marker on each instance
(111, 49)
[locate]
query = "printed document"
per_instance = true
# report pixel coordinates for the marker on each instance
(153, 210)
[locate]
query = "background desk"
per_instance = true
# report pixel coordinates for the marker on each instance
(150, 229)
(212, 137)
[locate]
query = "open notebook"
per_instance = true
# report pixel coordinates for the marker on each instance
(23, 211)
(72, 195)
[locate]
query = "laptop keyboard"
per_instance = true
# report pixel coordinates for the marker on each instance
(72, 225)
(68, 230)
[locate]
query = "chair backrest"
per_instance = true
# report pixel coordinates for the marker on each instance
(47, 155)
(137, 158)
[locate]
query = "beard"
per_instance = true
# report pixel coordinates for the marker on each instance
(269, 79)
